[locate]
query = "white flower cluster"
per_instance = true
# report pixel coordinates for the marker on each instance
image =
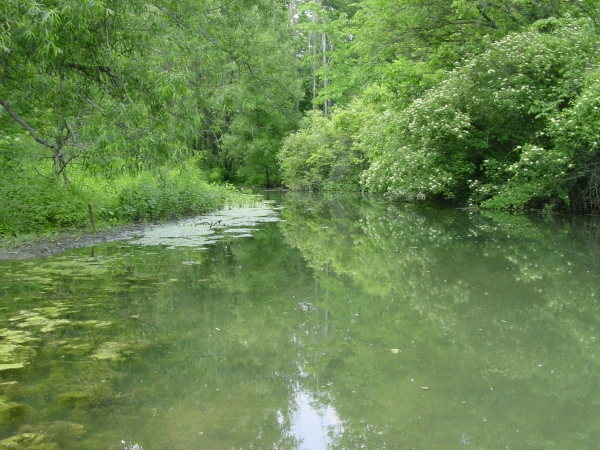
(518, 84)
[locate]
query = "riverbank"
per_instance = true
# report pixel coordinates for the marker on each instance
(41, 246)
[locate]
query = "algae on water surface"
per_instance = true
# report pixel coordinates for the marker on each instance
(201, 231)
(75, 326)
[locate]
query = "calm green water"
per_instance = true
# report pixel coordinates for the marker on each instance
(348, 324)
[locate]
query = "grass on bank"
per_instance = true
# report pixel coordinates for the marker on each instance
(35, 207)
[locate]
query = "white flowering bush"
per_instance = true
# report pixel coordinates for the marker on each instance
(535, 180)
(567, 173)
(490, 131)
(576, 135)
(420, 151)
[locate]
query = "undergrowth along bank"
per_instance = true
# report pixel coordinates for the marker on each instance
(33, 205)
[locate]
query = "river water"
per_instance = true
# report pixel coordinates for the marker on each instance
(309, 323)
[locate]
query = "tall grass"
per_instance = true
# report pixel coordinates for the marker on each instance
(30, 204)
(33, 205)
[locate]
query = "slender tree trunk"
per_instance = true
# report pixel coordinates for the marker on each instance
(314, 65)
(313, 43)
(60, 166)
(325, 81)
(59, 156)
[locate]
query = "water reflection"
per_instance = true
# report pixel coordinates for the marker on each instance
(201, 231)
(314, 426)
(319, 332)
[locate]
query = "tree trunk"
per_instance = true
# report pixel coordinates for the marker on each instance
(313, 43)
(58, 156)
(60, 166)
(325, 81)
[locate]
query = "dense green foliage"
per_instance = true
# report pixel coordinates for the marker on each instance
(322, 154)
(92, 93)
(33, 204)
(483, 103)
(491, 104)
(139, 83)
(169, 194)
(486, 125)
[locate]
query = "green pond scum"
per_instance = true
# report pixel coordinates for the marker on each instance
(311, 322)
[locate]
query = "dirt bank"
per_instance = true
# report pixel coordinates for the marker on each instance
(40, 247)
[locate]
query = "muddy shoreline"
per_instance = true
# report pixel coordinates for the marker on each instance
(41, 247)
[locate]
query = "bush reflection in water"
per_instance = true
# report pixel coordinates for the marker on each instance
(348, 309)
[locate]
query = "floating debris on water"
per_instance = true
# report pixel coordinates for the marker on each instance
(200, 231)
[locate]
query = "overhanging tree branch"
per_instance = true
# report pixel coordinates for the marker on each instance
(240, 62)
(25, 125)
(591, 13)
(218, 7)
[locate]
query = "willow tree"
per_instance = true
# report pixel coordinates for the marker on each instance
(59, 60)
(137, 83)
(242, 74)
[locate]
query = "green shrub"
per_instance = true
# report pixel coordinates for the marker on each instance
(166, 195)
(31, 204)
(322, 155)
(475, 135)
(576, 135)
(535, 180)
